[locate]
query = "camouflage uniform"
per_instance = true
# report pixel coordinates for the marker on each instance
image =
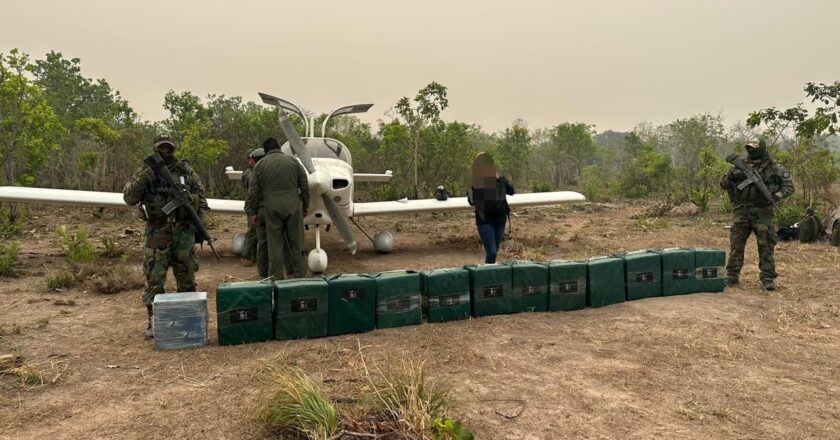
(278, 192)
(753, 214)
(249, 248)
(169, 240)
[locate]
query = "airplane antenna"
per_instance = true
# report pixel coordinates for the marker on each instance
(357, 108)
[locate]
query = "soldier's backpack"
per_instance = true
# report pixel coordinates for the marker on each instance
(787, 233)
(835, 233)
(810, 229)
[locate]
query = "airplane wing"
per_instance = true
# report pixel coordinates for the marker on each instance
(357, 177)
(95, 198)
(455, 203)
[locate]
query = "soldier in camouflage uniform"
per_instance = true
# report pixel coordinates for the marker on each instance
(169, 240)
(249, 247)
(753, 214)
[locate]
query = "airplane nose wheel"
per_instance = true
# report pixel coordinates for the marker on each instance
(317, 259)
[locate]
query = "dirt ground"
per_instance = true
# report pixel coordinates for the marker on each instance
(741, 364)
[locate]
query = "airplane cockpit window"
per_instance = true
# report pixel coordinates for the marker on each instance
(323, 148)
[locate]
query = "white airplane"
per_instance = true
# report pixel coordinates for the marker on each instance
(331, 183)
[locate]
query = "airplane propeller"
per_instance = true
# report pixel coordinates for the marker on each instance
(299, 150)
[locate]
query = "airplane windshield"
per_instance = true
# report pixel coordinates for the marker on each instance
(323, 148)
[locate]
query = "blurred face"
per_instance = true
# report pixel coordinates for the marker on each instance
(167, 151)
(251, 162)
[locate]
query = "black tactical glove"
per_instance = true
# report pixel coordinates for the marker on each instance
(736, 175)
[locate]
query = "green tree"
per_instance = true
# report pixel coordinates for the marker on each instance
(75, 97)
(806, 153)
(429, 102)
(685, 139)
(514, 150)
(29, 129)
(570, 146)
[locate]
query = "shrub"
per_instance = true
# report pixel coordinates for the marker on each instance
(8, 259)
(110, 247)
(59, 279)
(541, 186)
(77, 248)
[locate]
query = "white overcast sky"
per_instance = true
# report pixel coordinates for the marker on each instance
(609, 63)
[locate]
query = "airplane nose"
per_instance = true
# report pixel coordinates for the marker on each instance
(319, 182)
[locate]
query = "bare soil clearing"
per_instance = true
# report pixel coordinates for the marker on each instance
(742, 364)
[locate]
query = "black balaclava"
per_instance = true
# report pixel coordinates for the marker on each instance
(757, 153)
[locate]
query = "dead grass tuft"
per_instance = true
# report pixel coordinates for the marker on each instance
(115, 279)
(403, 392)
(296, 406)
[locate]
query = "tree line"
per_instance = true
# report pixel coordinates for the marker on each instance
(61, 129)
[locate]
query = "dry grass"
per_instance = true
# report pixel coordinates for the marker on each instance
(59, 279)
(115, 279)
(403, 392)
(296, 406)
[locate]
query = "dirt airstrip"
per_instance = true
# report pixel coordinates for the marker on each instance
(741, 364)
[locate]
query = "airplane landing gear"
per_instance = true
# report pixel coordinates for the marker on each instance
(317, 259)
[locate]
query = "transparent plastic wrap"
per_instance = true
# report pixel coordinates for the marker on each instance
(180, 320)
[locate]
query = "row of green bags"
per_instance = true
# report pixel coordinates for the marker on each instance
(340, 304)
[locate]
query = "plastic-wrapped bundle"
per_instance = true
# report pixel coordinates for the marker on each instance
(352, 306)
(606, 281)
(529, 286)
(710, 268)
(643, 271)
(446, 294)
(678, 271)
(567, 285)
(180, 320)
(244, 312)
(398, 299)
(490, 286)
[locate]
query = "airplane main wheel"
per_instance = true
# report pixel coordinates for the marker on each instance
(317, 261)
(383, 242)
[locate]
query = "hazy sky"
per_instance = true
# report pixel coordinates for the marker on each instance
(609, 63)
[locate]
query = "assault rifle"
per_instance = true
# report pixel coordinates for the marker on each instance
(752, 178)
(180, 198)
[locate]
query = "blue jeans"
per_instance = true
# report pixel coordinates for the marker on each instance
(491, 235)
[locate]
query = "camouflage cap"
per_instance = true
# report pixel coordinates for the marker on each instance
(752, 143)
(164, 138)
(258, 153)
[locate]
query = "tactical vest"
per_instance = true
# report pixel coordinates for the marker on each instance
(157, 195)
(750, 195)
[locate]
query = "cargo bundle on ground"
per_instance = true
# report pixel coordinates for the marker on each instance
(244, 312)
(180, 320)
(446, 294)
(398, 299)
(643, 274)
(255, 311)
(710, 269)
(490, 286)
(677, 271)
(529, 286)
(567, 285)
(352, 305)
(605, 281)
(300, 307)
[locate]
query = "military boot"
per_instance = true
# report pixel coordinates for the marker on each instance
(768, 284)
(150, 334)
(731, 280)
